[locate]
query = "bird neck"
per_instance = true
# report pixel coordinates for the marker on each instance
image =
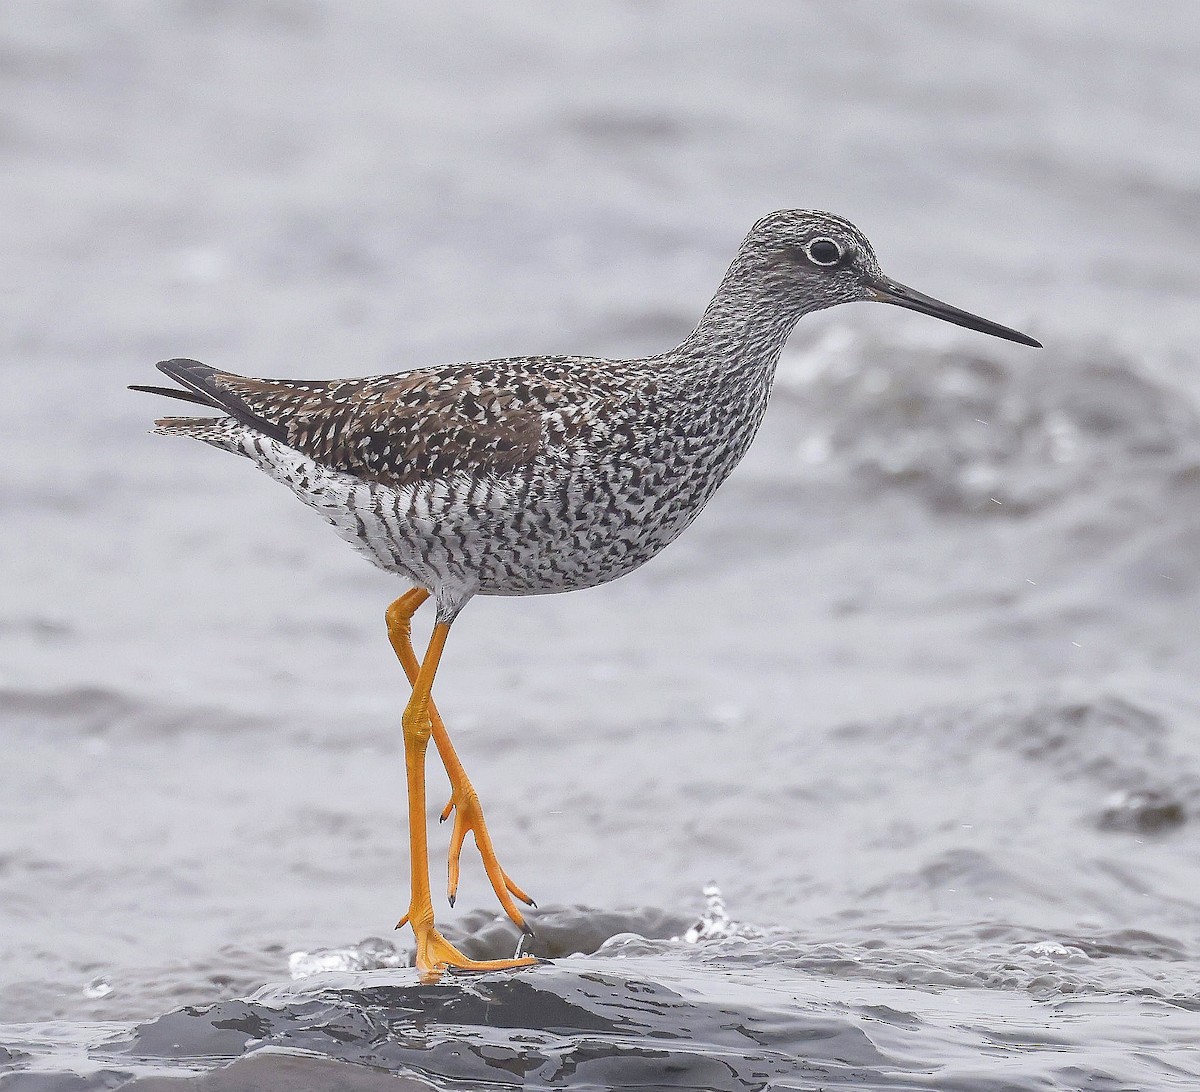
(744, 328)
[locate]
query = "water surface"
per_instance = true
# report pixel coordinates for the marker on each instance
(917, 690)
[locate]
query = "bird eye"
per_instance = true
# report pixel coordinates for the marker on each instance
(823, 252)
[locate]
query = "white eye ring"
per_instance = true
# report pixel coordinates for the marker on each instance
(823, 242)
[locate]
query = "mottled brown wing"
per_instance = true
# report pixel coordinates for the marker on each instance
(395, 430)
(398, 430)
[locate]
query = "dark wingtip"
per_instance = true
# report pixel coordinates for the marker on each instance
(191, 375)
(183, 370)
(212, 384)
(173, 392)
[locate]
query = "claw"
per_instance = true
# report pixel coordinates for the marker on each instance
(516, 891)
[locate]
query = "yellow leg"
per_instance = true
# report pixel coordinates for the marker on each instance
(434, 952)
(463, 803)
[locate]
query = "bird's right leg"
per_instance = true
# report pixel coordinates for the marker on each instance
(434, 952)
(464, 802)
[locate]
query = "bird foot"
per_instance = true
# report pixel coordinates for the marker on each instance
(468, 818)
(436, 954)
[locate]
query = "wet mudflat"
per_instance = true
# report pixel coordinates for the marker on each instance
(917, 690)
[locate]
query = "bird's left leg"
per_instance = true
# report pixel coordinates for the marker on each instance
(434, 952)
(464, 802)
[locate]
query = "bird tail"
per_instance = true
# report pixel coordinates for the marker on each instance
(196, 387)
(220, 390)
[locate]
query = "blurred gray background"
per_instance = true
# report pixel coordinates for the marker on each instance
(917, 659)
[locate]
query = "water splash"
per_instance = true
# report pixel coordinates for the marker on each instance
(715, 923)
(98, 987)
(370, 954)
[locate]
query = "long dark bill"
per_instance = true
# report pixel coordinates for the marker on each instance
(889, 291)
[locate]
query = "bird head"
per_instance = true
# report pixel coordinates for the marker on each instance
(819, 260)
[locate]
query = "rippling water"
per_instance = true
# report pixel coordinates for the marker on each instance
(863, 1005)
(917, 691)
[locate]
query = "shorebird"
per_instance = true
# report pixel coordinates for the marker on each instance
(530, 475)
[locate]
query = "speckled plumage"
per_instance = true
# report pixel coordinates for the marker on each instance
(532, 475)
(539, 474)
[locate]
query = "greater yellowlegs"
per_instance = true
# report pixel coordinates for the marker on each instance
(534, 474)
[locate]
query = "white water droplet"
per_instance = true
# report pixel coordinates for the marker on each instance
(98, 987)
